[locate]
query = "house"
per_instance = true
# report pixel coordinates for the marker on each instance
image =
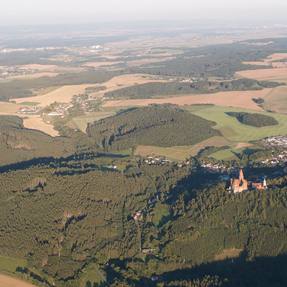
(239, 184)
(138, 216)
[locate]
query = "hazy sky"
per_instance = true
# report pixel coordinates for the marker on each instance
(83, 11)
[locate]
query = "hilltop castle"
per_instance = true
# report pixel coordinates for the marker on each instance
(240, 184)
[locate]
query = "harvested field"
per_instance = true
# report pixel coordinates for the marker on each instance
(101, 64)
(30, 121)
(146, 61)
(272, 74)
(7, 281)
(129, 80)
(271, 60)
(60, 95)
(7, 108)
(180, 152)
(34, 76)
(243, 145)
(240, 99)
(37, 123)
(276, 100)
(277, 71)
(65, 94)
(39, 67)
(277, 57)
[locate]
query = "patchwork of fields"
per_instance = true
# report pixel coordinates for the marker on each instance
(234, 134)
(238, 99)
(211, 106)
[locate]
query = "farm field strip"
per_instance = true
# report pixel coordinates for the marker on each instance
(239, 99)
(8, 281)
(64, 95)
(180, 152)
(276, 100)
(272, 74)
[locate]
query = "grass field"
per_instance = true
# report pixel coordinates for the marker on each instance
(9, 264)
(238, 135)
(93, 274)
(81, 122)
(236, 132)
(180, 152)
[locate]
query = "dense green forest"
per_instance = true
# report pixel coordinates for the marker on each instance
(255, 120)
(165, 125)
(217, 60)
(73, 222)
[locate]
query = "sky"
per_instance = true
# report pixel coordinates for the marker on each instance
(27, 12)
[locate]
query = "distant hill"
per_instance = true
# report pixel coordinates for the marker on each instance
(18, 143)
(164, 126)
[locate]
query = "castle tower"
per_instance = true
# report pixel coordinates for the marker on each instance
(241, 175)
(239, 184)
(265, 184)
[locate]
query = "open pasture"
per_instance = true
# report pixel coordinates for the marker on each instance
(236, 132)
(180, 152)
(81, 122)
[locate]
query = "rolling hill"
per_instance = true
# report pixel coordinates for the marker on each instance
(18, 143)
(156, 125)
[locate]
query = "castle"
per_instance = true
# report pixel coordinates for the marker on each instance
(240, 184)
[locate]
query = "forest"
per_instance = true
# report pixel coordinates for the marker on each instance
(191, 231)
(153, 90)
(165, 125)
(254, 120)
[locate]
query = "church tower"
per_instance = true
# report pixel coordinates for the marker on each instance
(241, 175)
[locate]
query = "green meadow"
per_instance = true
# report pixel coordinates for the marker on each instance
(235, 132)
